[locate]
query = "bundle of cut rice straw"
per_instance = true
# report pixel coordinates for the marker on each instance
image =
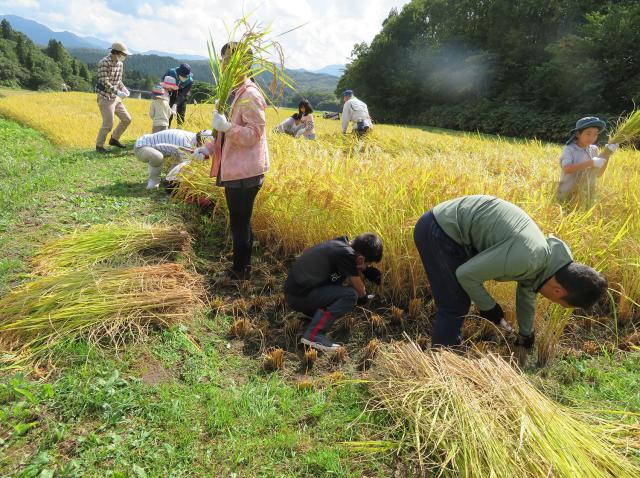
(481, 417)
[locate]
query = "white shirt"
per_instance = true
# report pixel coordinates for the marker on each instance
(355, 110)
(168, 142)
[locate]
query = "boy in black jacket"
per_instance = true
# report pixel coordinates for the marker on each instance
(315, 287)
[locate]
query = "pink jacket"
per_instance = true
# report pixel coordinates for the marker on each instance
(244, 153)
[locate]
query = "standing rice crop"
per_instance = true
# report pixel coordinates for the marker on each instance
(105, 243)
(98, 304)
(471, 417)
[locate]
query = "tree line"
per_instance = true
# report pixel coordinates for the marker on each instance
(24, 64)
(529, 67)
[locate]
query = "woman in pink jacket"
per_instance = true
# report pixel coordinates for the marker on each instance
(240, 160)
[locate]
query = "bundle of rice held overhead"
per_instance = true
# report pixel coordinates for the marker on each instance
(98, 304)
(472, 417)
(108, 243)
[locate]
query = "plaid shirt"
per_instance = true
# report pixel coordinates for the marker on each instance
(109, 78)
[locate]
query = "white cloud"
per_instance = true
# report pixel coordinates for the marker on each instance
(331, 27)
(145, 10)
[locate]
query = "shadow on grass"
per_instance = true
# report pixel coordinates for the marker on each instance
(123, 189)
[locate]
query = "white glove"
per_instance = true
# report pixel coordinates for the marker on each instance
(220, 122)
(505, 325)
(200, 153)
(612, 147)
(174, 110)
(125, 90)
(173, 174)
(599, 162)
(121, 94)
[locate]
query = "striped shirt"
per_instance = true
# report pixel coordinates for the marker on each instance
(109, 78)
(168, 142)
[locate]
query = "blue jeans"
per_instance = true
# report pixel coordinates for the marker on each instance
(441, 256)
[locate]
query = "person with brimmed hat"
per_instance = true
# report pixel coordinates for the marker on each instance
(159, 111)
(580, 162)
(178, 97)
(356, 111)
(111, 91)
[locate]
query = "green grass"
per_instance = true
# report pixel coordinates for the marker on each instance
(184, 403)
(197, 410)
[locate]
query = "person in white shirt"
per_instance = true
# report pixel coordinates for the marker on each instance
(175, 143)
(355, 111)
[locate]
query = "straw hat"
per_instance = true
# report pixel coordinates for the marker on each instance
(121, 47)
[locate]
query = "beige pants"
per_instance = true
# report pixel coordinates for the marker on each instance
(109, 108)
(148, 155)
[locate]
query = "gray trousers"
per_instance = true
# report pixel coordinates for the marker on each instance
(335, 299)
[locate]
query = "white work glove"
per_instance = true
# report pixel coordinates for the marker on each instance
(121, 94)
(125, 90)
(505, 325)
(612, 147)
(599, 162)
(200, 153)
(173, 174)
(174, 110)
(220, 122)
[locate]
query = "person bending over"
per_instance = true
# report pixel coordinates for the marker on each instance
(467, 241)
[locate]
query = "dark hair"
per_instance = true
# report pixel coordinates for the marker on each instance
(307, 107)
(115, 52)
(584, 285)
(296, 116)
(232, 45)
(369, 245)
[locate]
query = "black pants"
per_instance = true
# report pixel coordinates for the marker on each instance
(240, 204)
(181, 110)
(336, 299)
(441, 256)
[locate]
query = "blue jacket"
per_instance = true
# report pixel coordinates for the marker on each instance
(183, 86)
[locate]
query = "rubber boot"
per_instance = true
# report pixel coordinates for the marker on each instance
(315, 336)
(154, 177)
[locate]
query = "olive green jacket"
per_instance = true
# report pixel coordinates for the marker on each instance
(503, 244)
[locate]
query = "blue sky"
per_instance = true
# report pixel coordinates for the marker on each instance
(332, 26)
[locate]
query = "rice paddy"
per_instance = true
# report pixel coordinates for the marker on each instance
(343, 185)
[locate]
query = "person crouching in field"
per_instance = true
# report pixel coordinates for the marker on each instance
(467, 241)
(292, 126)
(315, 287)
(174, 143)
(305, 110)
(579, 161)
(355, 111)
(240, 161)
(110, 91)
(159, 110)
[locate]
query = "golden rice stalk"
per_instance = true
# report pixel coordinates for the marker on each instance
(273, 360)
(105, 243)
(628, 130)
(309, 358)
(481, 417)
(97, 304)
(550, 333)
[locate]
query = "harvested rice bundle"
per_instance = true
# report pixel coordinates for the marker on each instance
(482, 417)
(108, 242)
(111, 304)
(628, 130)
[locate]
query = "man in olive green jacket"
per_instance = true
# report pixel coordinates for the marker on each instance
(470, 240)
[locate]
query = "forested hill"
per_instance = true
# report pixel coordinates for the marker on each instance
(26, 65)
(520, 68)
(318, 88)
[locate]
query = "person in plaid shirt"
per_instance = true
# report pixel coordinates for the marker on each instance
(110, 91)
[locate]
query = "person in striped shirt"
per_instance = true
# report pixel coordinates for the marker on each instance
(110, 91)
(177, 144)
